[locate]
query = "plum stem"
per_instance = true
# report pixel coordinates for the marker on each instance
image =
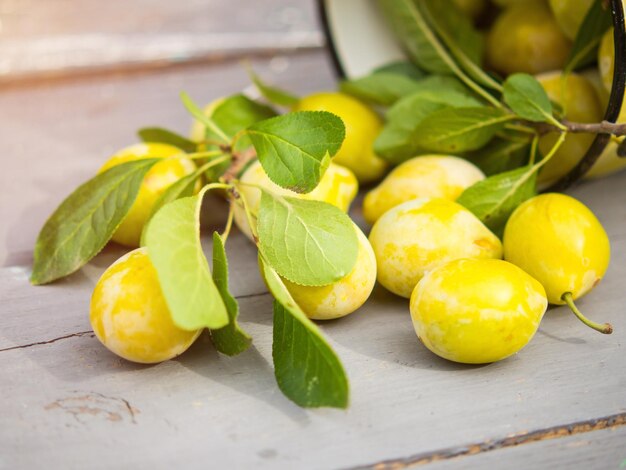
(605, 328)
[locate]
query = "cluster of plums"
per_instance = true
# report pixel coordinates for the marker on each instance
(473, 297)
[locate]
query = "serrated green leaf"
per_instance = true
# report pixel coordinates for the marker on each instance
(500, 155)
(381, 88)
(493, 199)
(272, 94)
(455, 28)
(184, 187)
(85, 221)
(398, 141)
(201, 116)
(408, 23)
(173, 241)
(236, 113)
(307, 369)
(584, 50)
(295, 149)
(165, 136)
(231, 339)
(527, 98)
(401, 67)
(311, 243)
(455, 130)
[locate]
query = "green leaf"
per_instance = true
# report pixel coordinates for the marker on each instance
(462, 39)
(236, 113)
(307, 369)
(272, 94)
(295, 149)
(493, 200)
(85, 221)
(311, 243)
(164, 136)
(500, 155)
(231, 339)
(455, 29)
(584, 51)
(401, 67)
(173, 241)
(407, 20)
(184, 187)
(455, 130)
(397, 141)
(527, 98)
(382, 88)
(201, 116)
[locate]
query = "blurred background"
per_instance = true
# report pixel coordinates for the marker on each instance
(79, 77)
(60, 37)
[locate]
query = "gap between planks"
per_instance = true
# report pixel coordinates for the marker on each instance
(555, 432)
(87, 55)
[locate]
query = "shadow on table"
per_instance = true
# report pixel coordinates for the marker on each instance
(382, 329)
(249, 374)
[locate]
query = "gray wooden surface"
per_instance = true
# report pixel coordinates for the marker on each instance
(66, 402)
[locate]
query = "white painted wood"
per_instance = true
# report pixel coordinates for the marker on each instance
(62, 403)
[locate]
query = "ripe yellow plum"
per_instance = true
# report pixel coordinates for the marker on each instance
(606, 59)
(526, 38)
(581, 104)
(338, 187)
(570, 14)
(477, 311)
(129, 315)
(416, 236)
(560, 242)
(428, 176)
(343, 296)
(362, 127)
(154, 184)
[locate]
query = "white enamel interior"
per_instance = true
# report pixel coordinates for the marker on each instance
(361, 36)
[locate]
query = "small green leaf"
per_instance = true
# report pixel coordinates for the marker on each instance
(500, 155)
(406, 18)
(173, 241)
(493, 200)
(295, 149)
(231, 339)
(85, 221)
(201, 116)
(584, 50)
(236, 113)
(272, 94)
(401, 67)
(312, 243)
(455, 130)
(164, 136)
(527, 98)
(397, 141)
(382, 88)
(307, 369)
(456, 30)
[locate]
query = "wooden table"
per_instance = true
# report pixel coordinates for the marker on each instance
(66, 402)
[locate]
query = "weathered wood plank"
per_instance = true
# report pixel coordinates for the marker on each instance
(602, 449)
(65, 403)
(55, 39)
(55, 136)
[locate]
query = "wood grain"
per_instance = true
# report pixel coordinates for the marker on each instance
(66, 399)
(55, 39)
